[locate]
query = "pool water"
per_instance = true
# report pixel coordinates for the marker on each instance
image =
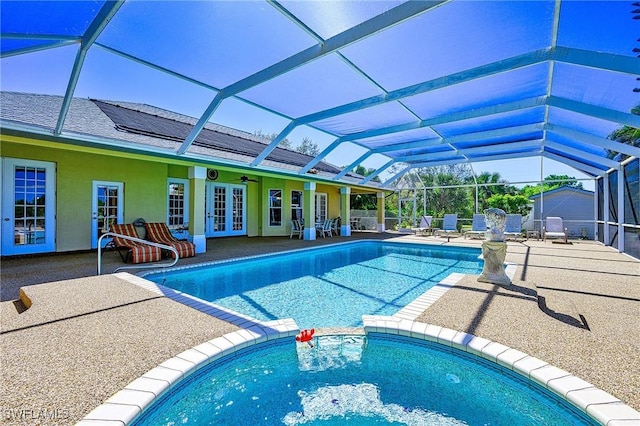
(325, 287)
(360, 380)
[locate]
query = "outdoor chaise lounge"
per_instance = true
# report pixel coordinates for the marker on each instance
(425, 225)
(513, 226)
(137, 252)
(554, 228)
(478, 226)
(449, 225)
(159, 232)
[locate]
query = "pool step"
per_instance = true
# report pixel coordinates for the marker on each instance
(330, 352)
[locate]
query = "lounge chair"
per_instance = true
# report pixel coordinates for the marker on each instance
(513, 226)
(425, 225)
(296, 229)
(137, 252)
(159, 232)
(554, 228)
(478, 226)
(449, 225)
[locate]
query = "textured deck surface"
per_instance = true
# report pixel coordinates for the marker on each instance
(86, 337)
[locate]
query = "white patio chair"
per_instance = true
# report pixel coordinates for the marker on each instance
(425, 225)
(554, 228)
(513, 226)
(296, 229)
(326, 228)
(335, 225)
(449, 225)
(478, 226)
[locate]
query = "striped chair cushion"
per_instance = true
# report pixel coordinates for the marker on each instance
(127, 229)
(140, 253)
(144, 253)
(159, 232)
(184, 248)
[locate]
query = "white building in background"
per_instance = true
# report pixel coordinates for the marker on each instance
(575, 206)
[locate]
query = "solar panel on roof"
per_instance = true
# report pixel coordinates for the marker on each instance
(152, 125)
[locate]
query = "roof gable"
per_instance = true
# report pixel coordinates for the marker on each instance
(557, 191)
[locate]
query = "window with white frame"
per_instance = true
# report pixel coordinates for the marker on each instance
(178, 203)
(296, 205)
(321, 207)
(275, 207)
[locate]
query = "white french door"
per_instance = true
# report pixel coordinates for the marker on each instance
(225, 210)
(321, 207)
(107, 208)
(28, 206)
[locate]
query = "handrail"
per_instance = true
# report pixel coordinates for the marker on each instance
(137, 240)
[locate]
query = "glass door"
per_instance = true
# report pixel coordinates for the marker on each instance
(321, 207)
(28, 206)
(107, 209)
(225, 210)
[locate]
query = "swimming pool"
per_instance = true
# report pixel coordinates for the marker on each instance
(376, 378)
(325, 287)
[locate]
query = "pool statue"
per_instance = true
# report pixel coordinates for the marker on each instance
(494, 249)
(496, 219)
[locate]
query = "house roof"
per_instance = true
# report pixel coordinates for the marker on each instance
(419, 83)
(563, 189)
(146, 125)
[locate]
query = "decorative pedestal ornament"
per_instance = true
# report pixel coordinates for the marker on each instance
(494, 249)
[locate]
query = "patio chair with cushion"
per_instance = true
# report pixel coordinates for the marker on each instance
(425, 225)
(336, 222)
(513, 226)
(554, 228)
(137, 252)
(449, 225)
(478, 227)
(296, 229)
(325, 229)
(159, 232)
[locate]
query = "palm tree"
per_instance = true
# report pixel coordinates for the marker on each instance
(627, 135)
(486, 191)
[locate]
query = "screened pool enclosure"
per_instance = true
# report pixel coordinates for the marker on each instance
(390, 85)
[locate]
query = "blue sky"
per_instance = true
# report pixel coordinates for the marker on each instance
(109, 76)
(48, 72)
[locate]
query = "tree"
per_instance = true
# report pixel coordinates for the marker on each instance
(565, 180)
(627, 135)
(307, 146)
(363, 171)
(439, 200)
(486, 191)
(512, 204)
(364, 202)
(285, 143)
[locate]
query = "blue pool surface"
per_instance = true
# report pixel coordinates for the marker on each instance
(325, 287)
(377, 379)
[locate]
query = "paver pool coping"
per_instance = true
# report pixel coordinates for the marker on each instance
(123, 407)
(127, 404)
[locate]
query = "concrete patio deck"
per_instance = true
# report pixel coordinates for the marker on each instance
(85, 337)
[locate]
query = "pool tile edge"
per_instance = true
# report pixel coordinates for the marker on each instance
(595, 403)
(119, 409)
